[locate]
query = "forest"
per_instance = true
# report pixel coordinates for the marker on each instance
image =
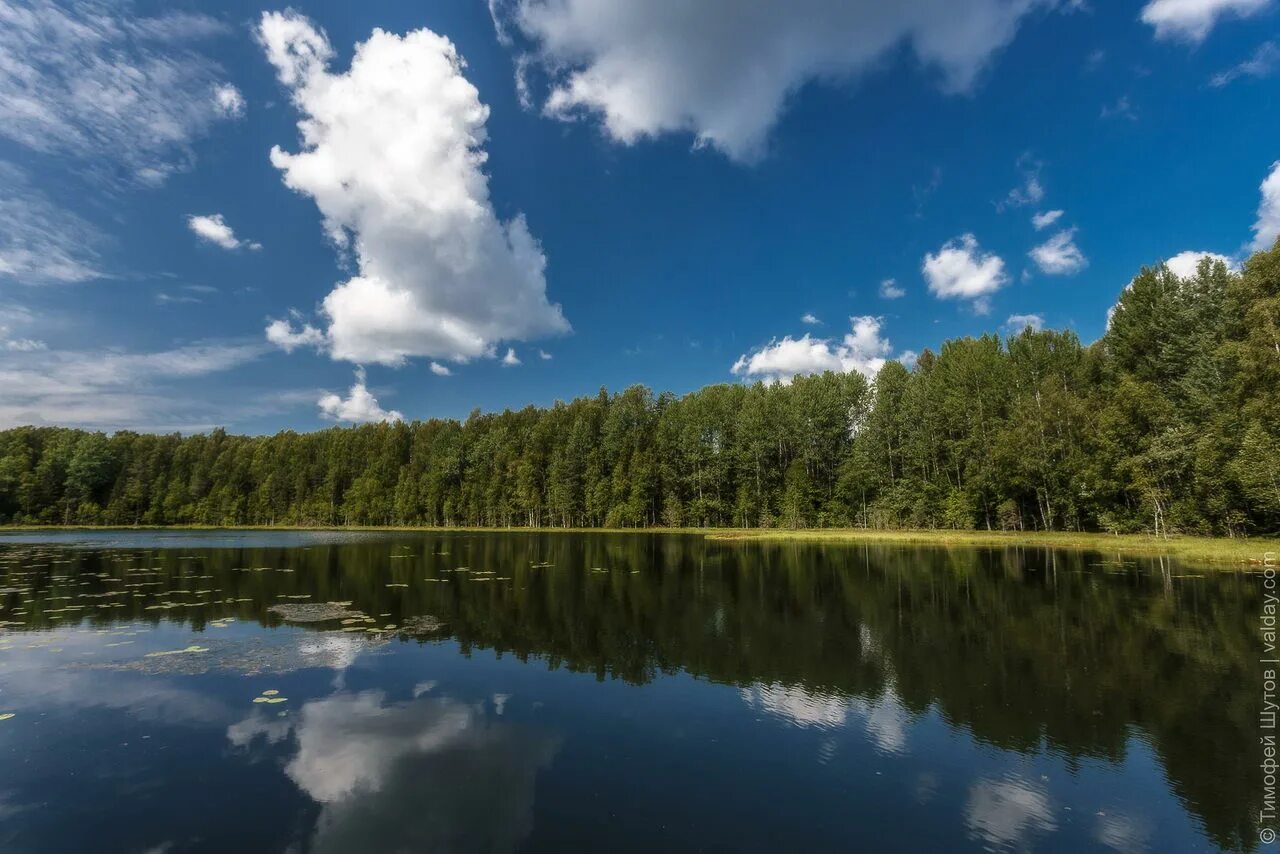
(1166, 424)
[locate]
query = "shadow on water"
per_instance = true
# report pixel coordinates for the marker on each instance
(1028, 650)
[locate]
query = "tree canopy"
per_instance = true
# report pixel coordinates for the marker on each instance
(1167, 423)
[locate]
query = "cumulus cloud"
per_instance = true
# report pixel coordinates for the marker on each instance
(1192, 20)
(511, 359)
(392, 153)
(358, 407)
(723, 71)
(811, 319)
(544, 355)
(123, 93)
(1059, 255)
(441, 370)
(889, 289)
(1185, 264)
(1019, 322)
(40, 241)
(1041, 221)
(863, 350)
(212, 228)
(961, 270)
(284, 335)
(228, 100)
(1267, 228)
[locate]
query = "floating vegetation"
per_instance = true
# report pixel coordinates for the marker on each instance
(314, 612)
(192, 648)
(271, 695)
(424, 624)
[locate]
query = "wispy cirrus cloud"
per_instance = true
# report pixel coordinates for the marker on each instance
(115, 389)
(41, 242)
(121, 93)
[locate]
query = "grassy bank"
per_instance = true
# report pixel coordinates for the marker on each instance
(1238, 553)
(1214, 551)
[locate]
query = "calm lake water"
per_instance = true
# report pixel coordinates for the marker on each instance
(346, 692)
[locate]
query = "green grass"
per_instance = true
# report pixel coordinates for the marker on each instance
(1237, 553)
(1242, 552)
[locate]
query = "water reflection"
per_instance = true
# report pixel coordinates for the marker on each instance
(1007, 813)
(1078, 664)
(884, 719)
(430, 774)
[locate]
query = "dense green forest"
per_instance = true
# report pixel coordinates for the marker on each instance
(1168, 423)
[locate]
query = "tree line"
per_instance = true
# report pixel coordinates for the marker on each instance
(1168, 423)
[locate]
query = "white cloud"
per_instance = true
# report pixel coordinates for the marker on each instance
(889, 289)
(22, 345)
(440, 370)
(884, 720)
(228, 100)
(111, 389)
(283, 335)
(15, 316)
(863, 350)
(123, 93)
(511, 359)
(811, 319)
(358, 407)
(361, 758)
(1019, 322)
(392, 153)
(1192, 20)
(41, 242)
(1263, 63)
(1267, 228)
(961, 270)
(724, 71)
(1008, 811)
(1122, 108)
(1185, 264)
(544, 355)
(1059, 255)
(1029, 192)
(212, 228)
(909, 358)
(1041, 221)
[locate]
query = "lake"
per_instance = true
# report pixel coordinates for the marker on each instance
(357, 691)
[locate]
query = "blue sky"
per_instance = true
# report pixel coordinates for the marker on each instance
(659, 192)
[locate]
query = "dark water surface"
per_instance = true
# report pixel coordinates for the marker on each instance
(578, 692)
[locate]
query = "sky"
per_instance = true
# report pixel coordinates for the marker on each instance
(289, 217)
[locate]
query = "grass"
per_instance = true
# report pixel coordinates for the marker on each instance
(1236, 553)
(1241, 552)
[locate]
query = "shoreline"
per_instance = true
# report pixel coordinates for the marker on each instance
(1245, 553)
